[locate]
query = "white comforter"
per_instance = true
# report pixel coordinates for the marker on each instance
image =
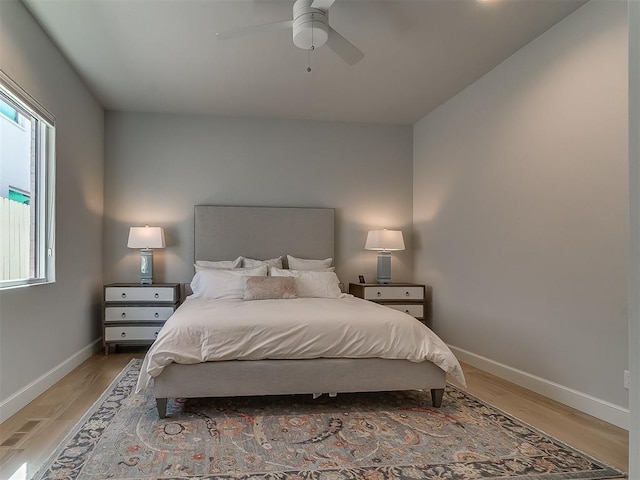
(204, 329)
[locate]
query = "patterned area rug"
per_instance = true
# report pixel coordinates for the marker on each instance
(354, 436)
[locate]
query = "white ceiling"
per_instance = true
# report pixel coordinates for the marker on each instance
(163, 55)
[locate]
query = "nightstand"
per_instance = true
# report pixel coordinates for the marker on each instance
(410, 298)
(133, 313)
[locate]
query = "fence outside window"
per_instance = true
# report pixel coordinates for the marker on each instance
(14, 239)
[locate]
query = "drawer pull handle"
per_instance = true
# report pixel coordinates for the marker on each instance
(379, 294)
(157, 295)
(123, 315)
(407, 294)
(123, 334)
(123, 295)
(155, 334)
(156, 315)
(406, 311)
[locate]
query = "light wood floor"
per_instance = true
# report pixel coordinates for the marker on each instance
(29, 436)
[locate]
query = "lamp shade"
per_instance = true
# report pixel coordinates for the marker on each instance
(384, 240)
(146, 237)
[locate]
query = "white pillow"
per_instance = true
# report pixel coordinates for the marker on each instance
(328, 269)
(251, 263)
(221, 283)
(282, 272)
(222, 264)
(304, 264)
(312, 283)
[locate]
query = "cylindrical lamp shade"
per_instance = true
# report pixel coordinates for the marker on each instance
(384, 240)
(146, 237)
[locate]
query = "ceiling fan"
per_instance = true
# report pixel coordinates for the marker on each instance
(311, 29)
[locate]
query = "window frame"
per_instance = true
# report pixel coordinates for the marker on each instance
(42, 233)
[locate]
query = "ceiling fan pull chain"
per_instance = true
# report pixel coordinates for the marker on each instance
(310, 50)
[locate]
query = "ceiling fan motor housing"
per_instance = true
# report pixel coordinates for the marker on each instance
(310, 25)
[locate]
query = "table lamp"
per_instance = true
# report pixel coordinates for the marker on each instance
(384, 241)
(146, 238)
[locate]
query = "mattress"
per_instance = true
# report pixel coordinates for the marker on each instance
(204, 330)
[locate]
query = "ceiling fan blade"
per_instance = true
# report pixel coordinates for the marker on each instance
(343, 48)
(322, 4)
(266, 27)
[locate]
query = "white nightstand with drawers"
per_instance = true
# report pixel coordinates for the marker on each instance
(410, 298)
(134, 313)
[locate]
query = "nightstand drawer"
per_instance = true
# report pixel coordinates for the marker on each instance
(393, 293)
(123, 334)
(413, 310)
(133, 314)
(140, 294)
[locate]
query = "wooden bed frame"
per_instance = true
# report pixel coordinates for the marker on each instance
(226, 232)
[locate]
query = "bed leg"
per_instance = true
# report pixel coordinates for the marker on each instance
(436, 397)
(161, 403)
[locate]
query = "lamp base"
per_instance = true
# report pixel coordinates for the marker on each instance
(383, 274)
(146, 266)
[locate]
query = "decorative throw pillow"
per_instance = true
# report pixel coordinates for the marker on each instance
(307, 264)
(251, 263)
(220, 283)
(265, 288)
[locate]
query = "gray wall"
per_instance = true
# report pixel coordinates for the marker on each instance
(159, 166)
(44, 326)
(520, 208)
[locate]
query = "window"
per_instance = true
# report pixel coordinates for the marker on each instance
(27, 176)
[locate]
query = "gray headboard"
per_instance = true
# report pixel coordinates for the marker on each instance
(226, 232)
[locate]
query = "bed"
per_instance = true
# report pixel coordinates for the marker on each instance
(187, 360)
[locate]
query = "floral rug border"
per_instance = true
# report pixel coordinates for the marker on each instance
(97, 412)
(98, 417)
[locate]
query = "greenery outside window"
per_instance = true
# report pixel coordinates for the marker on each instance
(27, 181)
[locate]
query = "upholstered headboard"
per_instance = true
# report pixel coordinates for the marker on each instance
(226, 232)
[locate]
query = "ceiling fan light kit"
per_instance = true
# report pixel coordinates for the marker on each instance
(311, 29)
(310, 25)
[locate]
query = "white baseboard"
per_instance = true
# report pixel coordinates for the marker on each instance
(596, 407)
(30, 392)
